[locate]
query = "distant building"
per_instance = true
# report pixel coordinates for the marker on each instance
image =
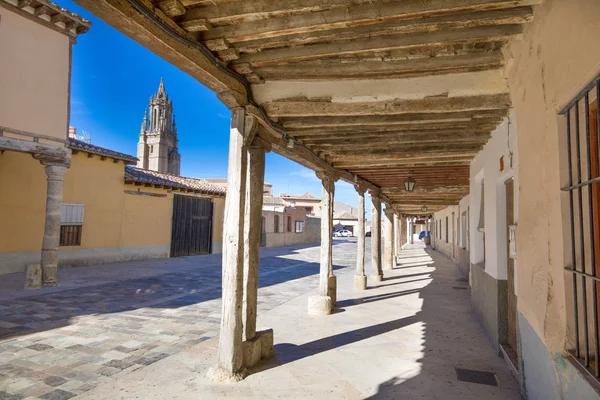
(158, 144)
(309, 202)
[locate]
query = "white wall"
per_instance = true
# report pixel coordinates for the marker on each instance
(486, 166)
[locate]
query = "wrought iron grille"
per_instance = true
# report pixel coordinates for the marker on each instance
(583, 146)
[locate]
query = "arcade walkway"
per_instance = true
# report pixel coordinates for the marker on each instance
(401, 339)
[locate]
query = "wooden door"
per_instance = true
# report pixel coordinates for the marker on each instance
(453, 237)
(511, 297)
(191, 231)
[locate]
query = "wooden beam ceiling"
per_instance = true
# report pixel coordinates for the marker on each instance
(371, 134)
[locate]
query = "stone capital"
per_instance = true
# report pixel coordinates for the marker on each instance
(389, 211)
(55, 157)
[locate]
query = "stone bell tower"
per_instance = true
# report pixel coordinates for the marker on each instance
(158, 144)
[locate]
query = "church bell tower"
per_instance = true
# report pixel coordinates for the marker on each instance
(158, 144)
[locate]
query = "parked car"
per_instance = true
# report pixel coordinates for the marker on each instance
(342, 233)
(423, 234)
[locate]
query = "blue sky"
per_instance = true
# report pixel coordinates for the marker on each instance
(112, 80)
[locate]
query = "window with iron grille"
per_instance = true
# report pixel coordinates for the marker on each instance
(289, 223)
(71, 224)
(582, 139)
(276, 223)
(299, 226)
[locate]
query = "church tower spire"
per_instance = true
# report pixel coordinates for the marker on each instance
(158, 145)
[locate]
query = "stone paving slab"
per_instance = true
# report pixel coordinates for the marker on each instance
(400, 339)
(63, 342)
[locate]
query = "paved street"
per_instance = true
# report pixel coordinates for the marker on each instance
(151, 334)
(107, 321)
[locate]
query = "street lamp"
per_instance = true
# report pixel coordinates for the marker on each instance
(409, 184)
(424, 208)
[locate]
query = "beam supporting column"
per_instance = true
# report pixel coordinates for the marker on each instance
(376, 270)
(396, 238)
(360, 279)
(56, 167)
(324, 303)
(389, 238)
(257, 346)
(255, 177)
(230, 352)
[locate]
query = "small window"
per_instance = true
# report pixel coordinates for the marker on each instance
(299, 226)
(289, 223)
(276, 223)
(71, 224)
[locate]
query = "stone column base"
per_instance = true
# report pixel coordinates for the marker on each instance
(360, 282)
(258, 348)
(319, 305)
(33, 276)
(217, 374)
(377, 278)
(332, 290)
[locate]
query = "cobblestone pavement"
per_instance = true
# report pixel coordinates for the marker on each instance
(66, 341)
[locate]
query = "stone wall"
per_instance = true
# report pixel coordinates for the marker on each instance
(546, 69)
(311, 234)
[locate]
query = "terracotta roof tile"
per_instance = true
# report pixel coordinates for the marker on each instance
(273, 201)
(75, 144)
(305, 196)
(140, 175)
(346, 216)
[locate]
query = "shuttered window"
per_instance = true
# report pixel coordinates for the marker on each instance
(71, 224)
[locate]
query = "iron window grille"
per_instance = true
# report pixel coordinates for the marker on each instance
(581, 117)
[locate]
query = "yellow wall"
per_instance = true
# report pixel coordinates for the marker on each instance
(22, 202)
(35, 83)
(112, 218)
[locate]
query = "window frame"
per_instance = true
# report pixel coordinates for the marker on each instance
(583, 190)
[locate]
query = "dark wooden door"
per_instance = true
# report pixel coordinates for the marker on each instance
(191, 231)
(511, 298)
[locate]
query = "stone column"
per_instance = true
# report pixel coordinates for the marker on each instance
(376, 270)
(230, 352)
(389, 239)
(396, 238)
(55, 173)
(360, 279)
(255, 177)
(411, 229)
(324, 303)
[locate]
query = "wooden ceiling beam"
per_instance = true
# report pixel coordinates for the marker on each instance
(359, 133)
(383, 69)
(380, 43)
(518, 15)
(407, 162)
(298, 108)
(251, 25)
(358, 141)
(338, 123)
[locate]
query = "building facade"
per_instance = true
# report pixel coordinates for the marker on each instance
(158, 143)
